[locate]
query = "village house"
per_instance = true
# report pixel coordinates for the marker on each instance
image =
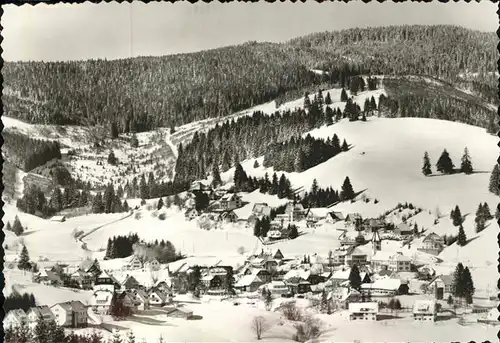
(230, 201)
(158, 298)
(102, 296)
(278, 288)
(432, 244)
(82, 279)
(274, 234)
(262, 273)
(363, 311)
(403, 229)
(340, 297)
(199, 186)
(298, 285)
(441, 286)
(105, 278)
(391, 261)
(70, 314)
(425, 310)
(143, 262)
(385, 287)
(90, 266)
(228, 217)
(356, 256)
(191, 213)
(341, 276)
(249, 283)
(129, 282)
(259, 211)
(334, 217)
(314, 215)
(141, 299)
(353, 219)
(47, 277)
(39, 313)
(295, 211)
(60, 219)
(128, 300)
(15, 318)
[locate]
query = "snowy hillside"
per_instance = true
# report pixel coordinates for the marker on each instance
(386, 161)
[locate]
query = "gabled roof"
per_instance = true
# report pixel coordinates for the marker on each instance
(86, 264)
(384, 284)
(41, 311)
(338, 215)
(19, 313)
(432, 237)
(163, 296)
(247, 280)
(424, 306)
(447, 279)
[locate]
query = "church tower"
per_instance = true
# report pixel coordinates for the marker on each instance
(376, 242)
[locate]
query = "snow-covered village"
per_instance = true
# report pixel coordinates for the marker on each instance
(353, 202)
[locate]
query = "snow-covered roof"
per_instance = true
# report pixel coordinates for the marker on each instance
(424, 306)
(58, 218)
(319, 212)
(297, 273)
(389, 284)
(277, 285)
(432, 237)
(247, 280)
(371, 307)
(19, 313)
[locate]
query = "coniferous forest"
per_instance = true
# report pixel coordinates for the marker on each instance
(146, 92)
(27, 153)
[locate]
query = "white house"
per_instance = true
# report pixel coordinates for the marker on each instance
(35, 314)
(157, 297)
(425, 310)
(396, 262)
(278, 288)
(70, 314)
(363, 311)
(249, 283)
(441, 286)
(432, 244)
(385, 287)
(230, 201)
(141, 299)
(101, 298)
(15, 318)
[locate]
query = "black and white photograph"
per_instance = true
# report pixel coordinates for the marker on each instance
(250, 172)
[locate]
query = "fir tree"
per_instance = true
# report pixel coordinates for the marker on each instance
(125, 206)
(458, 288)
(109, 198)
(355, 277)
(112, 158)
(134, 143)
(345, 146)
(480, 225)
(274, 185)
(160, 204)
(457, 216)
(300, 161)
(426, 169)
(328, 99)
(462, 238)
(56, 201)
(216, 179)
(256, 228)
(329, 116)
(494, 185)
(17, 228)
(24, 259)
(444, 164)
(486, 212)
(324, 301)
(256, 164)
(343, 95)
(468, 285)
(497, 213)
(466, 165)
(293, 232)
(97, 204)
(347, 192)
(131, 337)
(143, 188)
(8, 227)
(307, 102)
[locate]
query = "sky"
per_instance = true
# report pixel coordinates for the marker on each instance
(112, 30)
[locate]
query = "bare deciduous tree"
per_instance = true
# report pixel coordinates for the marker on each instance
(309, 329)
(291, 311)
(259, 326)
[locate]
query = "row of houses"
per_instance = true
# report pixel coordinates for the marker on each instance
(423, 310)
(70, 314)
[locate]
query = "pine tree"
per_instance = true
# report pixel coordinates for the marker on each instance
(143, 188)
(56, 199)
(373, 104)
(444, 164)
(109, 198)
(328, 99)
(134, 143)
(256, 228)
(457, 216)
(8, 227)
(343, 95)
(17, 228)
(97, 204)
(274, 185)
(116, 338)
(160, 204)
(293, 232)
(345, 146)
(468, 285)
(486, 214)
(300, 161)
(328, 116)
(216, 179)
(355, 277)
(347, 192)
(497, 213)
(466, 165)
(458, 288)
(494, 185)
(125, 206)
(480, 225)
(131, 337)
(24, 259)
(112, 158)
(324, 301)
(307, 102)
(426, 169)
(479, 212)
(256, 164)
(462, 238)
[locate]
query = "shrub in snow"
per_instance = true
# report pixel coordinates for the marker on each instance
(291, 311)
(310, 329)
(137, 215)
(149, 207)
(154, 214)
(259, 326)
(162, 216)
